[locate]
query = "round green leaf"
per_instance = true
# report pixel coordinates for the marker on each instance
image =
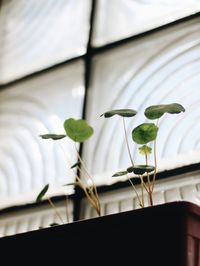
(156, 111)
(52, 136)
(140, 169)
(78, 130)
(120, 112)
(144, 133)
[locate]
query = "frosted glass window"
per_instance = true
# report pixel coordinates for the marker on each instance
(118, 19)
(163, 67)
(28, 109)
(36, 34)
(179, 188)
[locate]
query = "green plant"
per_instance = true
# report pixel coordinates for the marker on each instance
(143, 134)
(78, 131)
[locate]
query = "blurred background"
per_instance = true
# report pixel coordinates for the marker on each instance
(81, 58)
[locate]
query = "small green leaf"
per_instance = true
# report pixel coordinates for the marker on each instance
(145, 150)
(42, 193)
(72, 184)
(120, 112)
(120, 173)
(156, 111)
(144, 133)
(140, 169)
(78, 130)
(76, 164)
(54, 224)
(52, 136)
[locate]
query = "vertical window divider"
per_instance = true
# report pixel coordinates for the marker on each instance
(87, 76)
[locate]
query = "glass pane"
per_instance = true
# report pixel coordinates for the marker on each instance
(32, 219)
(179, 188)
(28, 109)
(118, 19)
(162, 67)
(39, 34)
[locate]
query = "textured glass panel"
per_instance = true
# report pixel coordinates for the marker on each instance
(118, 19)
(28, 109)
(24, 221)
(36, 34)
(163, 67)
(179, 188)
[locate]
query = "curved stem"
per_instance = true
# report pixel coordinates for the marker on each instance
(93, 184)
(127, 144)
(134, 188)
(55, 209)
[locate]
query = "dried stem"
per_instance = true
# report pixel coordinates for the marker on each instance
(55, 209)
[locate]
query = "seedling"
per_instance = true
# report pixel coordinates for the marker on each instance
(143, 134)
(78, 131)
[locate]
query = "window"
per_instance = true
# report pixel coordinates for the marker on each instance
(79, 59)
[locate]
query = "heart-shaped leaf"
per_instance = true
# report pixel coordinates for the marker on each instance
(78, 130)
(42, 193)
(52, 136)
(140, 169)
(156, 111)
(120, 173)
(120, 112)
(144, 133)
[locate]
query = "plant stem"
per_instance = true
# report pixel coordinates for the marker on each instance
(93, 184)
(155, 164)
(66, 207)
(55, 209)
(134, 188)
(149, 183)
(127, 144)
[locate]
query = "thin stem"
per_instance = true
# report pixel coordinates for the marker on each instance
(66, 207)
(86, 171)
(127, 144)
(142, 193)
(55, 209)
(149, 182)
(155, 163)
(134, 188)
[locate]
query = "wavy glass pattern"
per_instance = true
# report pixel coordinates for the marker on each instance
(38, 34)
(179, 188)
(118, 19)
(28, 109)
(162, 67)
(33, 219)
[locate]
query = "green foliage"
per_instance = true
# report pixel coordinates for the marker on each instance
(120, 112)
(156, 111)
(120, 173)
(42, 193)
(78, 130)
(144, 133)
(52, 136)
(144, 150)
(140, 169)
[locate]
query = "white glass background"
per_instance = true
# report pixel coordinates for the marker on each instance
(163, 67)
(28, 109)
(37, 34)
(118, 19)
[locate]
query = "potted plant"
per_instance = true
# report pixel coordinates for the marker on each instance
(166, 234)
